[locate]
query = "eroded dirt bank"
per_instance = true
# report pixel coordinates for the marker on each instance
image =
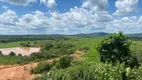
(22, 72)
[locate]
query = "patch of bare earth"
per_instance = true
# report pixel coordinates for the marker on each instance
(22, 72)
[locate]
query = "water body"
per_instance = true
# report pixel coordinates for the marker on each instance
(20, 50)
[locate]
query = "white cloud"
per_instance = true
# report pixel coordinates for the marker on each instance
(49, 3)
(126, 24)
(4, 7)
(125, 7)
(95, 5)
(8, 17)
(80, 20)
(103, 16)
(76, 20)
(19, 2)
(140, 19)
(42, 1)
(8, 22)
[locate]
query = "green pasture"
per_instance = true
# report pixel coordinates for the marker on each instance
(80, 42)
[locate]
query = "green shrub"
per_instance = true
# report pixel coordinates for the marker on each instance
(115, 48)
(94, 72)
(24, 60)
(64, 62)
(48, 51)
(12, 54)
(47, 46)
(25, 44)
(19, 54)
(51, 50)
(1, 53)
(36, 55)
(42, 67)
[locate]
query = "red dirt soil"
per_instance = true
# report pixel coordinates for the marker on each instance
(22, 72)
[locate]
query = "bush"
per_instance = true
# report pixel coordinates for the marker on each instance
(47, 46)
(1, 53)
(115, 48)
(64, 62)
(42, 67)
(94, 72)
(36, 55)
(19, 54)
(51, 50)
(48, 51)
(12, 54)
(25, 44)
(24, 60)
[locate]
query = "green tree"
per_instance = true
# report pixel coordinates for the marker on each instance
(115, 48)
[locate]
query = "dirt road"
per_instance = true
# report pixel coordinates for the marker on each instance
(22, 72)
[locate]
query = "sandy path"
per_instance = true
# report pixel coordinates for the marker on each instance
(22, 72)
(17, 72)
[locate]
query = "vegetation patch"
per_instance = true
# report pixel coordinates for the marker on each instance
(94, 72)
(116, 48)
(42, 67)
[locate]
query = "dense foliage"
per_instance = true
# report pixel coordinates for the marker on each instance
(86, 67)
(115, 48)
(25, 44)
(112, 49)
(12, 54)
(64, 62)
(50, 50)
(14, 38)
(94, 72)
(42, 67)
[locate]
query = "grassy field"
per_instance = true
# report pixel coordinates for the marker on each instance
(13, 44)
(17, 44)
(5, 60)
(90, 67)
(89, 62)
(80, 42)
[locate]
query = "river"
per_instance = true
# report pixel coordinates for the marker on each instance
(20, 50)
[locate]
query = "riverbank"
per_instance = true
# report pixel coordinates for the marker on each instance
(20, 50)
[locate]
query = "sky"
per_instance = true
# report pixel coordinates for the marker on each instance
(20, 17)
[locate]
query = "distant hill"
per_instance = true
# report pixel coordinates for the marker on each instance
(135, 35)
(82, 34)
(104, 34)
(93, 34)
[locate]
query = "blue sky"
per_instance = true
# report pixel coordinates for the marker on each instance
(62, 6)
(70, 16)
